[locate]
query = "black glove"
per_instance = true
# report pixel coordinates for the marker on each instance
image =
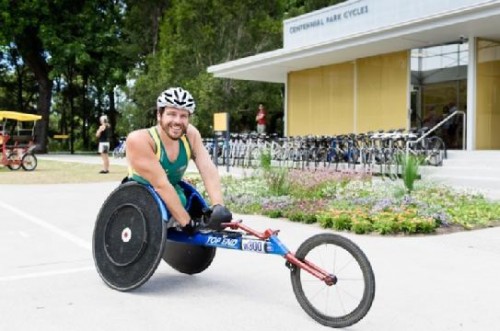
(190, 228)
(219, 215)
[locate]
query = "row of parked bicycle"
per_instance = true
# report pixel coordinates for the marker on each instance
(378, 151)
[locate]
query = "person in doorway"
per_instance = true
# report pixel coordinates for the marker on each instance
(432, 118)
(159, 156)
(260, 119)
(103, 134)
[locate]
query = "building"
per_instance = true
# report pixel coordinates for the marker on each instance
(366, 65)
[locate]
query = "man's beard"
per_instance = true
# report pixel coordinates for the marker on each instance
(168, 127)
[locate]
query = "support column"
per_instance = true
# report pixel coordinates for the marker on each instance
(355, 97)
(471, 95)
(285, 112)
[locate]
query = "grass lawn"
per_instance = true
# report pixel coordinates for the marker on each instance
(55, 172)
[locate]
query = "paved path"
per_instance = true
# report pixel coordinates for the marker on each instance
(48, 280)
(95, 159)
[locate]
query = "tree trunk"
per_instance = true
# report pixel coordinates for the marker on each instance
(31, 49)
(85, 112)
(112, 115)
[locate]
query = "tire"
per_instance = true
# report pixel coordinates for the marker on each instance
(29, 162)
(353, 158)
(390, 164)
(436, 151)
(254, 161)
(129, 237)
(186, 258)
(11, 158)
(350, 299)
(277, 155)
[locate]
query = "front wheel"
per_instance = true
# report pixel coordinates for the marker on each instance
(29, 162)
(350, 298)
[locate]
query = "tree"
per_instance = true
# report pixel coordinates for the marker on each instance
(17, 83)
(75, 40)
(90, 47)
(22, 24)
(196, 34)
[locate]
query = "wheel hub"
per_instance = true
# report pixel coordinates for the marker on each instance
(125, 235)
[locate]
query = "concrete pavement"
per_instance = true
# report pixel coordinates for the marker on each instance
(48, 280)
(95, 159)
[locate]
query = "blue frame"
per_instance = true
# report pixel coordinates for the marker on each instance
(230, 240)
(221, 239)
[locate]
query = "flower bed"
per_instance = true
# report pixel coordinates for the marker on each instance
(358, 202)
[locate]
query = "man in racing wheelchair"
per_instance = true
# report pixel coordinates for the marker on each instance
(159, 156)
(133, 225)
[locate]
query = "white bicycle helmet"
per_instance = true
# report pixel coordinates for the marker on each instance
(176, 97)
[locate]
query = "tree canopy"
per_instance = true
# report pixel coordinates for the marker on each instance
(71, 61)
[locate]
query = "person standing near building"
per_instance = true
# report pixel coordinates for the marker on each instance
(261, 119)
(103, 134)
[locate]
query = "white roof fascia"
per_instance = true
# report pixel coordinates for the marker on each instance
(274, 66)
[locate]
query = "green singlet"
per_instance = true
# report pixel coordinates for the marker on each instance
(175, 170)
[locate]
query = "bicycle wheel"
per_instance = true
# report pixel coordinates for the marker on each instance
(353, 158)
(29, 162)
(14, 163)
(435, 151)
(255, 155)
(344, 303)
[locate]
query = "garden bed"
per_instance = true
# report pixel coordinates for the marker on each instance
(359, 203)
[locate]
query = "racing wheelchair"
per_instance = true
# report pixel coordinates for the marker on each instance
(331, 277)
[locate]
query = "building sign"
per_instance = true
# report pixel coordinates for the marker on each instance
(220, 121)
(328, 19)
(356, 17)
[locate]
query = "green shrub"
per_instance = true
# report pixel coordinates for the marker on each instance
(277, 181)
(325, 220)
(341, 222)
(361, 225)
(410, 174)
(273, 213)
(265, 159)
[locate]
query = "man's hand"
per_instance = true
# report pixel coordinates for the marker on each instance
(190, 228)
(219, 215)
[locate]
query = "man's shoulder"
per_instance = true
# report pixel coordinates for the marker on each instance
(192, 132)
(139, 134)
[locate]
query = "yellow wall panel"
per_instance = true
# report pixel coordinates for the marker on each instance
(488, 95)
(320, 100)
(382, 92)
(339, 99)
(324, 100)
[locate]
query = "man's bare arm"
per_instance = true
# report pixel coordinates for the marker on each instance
(141, 157)
(206, 167)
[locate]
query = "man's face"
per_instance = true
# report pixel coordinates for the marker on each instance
(174, 122)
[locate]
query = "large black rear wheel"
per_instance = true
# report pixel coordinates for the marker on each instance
(350, 298)
(186, 258)
(129, 237)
